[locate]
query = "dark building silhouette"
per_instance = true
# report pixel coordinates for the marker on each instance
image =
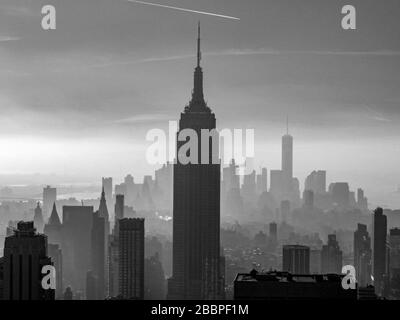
(113, 248)
(286, 286)
(196, 207)
(98, 259)
(331, 256)
(77, 245)
(380, 230)
(53, 229)
(362, 255)
(131, 258)
(68, 294)
(91, 286)
(38, 219)
(154, 283)
(273, 231)
(25, 254)
(1, 277)
(296, 259)
(394, 244)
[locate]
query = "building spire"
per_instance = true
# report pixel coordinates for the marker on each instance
(198, 45)
(287, 125)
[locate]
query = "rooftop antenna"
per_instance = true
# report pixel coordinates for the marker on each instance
(287, 125)
(198, 45)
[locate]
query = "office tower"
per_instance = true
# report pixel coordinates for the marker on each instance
(287, 157)
(25, 254)
(196, 222)
(1, 277)
(49, 198)
(119, 211)
(54, 252)
(107, 185)
(331, 256)
(131, 258)
(130, 194)
(362, 201)
(53, 229)
(98, 258)
(340, 194)
(308, 199)
(164, 181)
(362, 255)
(276, 186)
(154, 279)
(315, 261)
(285, 210)
(68, 294)
(394, 244)
(38, 219)
(296, 259)
(379, 251)
(285, 286)
(273, 231)
(230, 178)
(316, 182)
(249, 186)
(262, 181)
(113, 247)
(91, 286)
(76, 245)
(153, 247)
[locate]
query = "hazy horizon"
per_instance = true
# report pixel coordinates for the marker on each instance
(79, 100)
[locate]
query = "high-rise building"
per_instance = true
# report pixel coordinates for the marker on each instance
(38, 219)
(285, 210)
(287, 157)
(262, 181)
(131, 258)
(107, 184)
(273, 231)
(315, 261)
(49, 198)
(196, 207)
(25, 254)
(340, 194)
(394, 244)
(308, 199)
(362, 201)
(379, 251)
(331, 256)
(296, 259)
(98, 258)
(53, 229)
(76, 245)
(316, 182)
(362, 255)
(286, 286)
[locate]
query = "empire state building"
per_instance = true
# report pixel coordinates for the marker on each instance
(197, 271)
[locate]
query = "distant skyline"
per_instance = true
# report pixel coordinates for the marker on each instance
(79, 100)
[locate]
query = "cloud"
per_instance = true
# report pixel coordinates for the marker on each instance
(142, 118)
(7, 38)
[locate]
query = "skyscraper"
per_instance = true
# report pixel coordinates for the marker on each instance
(53, 229)
(38, 219)
(380, 230)
(362, 255)
(49, 198)
(196, 207)
(331, 256)
(107, 184)
(76, 245)
(25, 253)
(131, 258)
(98, 258)
(394, 243)
(296, 259)
(287, 157)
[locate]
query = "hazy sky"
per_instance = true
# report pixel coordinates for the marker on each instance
(80, 99)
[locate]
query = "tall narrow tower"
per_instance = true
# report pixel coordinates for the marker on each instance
(196, 206)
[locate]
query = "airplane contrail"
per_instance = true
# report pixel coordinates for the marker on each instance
(185, 10)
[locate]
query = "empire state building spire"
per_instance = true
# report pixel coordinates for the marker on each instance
(197, 103)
